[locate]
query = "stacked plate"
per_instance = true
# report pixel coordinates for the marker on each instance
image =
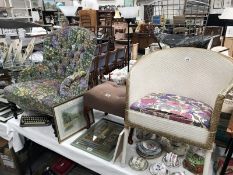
(149, 149)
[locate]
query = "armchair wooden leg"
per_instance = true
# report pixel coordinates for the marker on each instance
(130, 138)
(14, 109)
(125, 143)
(86, 115)
(207, 161)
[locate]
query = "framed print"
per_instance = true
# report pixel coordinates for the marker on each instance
(102, 140)
(49, 5)
(217, 4)
(227, 3)
(69, 118)
(129, 3)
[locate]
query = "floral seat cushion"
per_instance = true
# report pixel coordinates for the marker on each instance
(38, 95)
(174, 107)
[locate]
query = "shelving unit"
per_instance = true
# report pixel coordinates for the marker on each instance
(18, 9)
(104, 26)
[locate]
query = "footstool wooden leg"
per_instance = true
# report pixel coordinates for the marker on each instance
(86, 115)
(130, 138)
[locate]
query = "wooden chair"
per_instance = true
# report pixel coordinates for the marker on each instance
(101, 66)
(28, 50)
(111, 61)
(120, 57)
(4, 48)
(104, 47)
(86, 22)
(179, 24)
(93, 75)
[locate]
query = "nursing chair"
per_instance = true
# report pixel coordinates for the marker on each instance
(181, 96)
(62, 76)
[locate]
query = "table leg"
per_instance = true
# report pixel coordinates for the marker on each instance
(228, 158)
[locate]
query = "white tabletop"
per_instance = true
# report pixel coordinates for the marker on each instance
(45, 137)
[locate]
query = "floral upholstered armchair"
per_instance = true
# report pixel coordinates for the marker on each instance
(61, 76)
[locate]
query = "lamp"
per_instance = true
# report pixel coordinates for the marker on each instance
(117, 14)
(227, 15)
(129, 14)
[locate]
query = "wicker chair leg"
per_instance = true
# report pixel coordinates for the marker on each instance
(207, 161)
(125, 143)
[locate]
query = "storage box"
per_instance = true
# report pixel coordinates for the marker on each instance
(228, 43)
(7, 159)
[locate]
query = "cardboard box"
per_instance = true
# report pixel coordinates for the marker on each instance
(228, 43)
(6, 155)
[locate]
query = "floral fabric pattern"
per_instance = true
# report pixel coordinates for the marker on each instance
(174, 107)
(62, 75)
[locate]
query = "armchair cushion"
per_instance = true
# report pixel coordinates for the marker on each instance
(37, 95)
(174, 107)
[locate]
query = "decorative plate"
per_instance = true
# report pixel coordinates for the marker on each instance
(138, 163)
(178, 173)
(171, 160)
(149, 149)
(158, 169)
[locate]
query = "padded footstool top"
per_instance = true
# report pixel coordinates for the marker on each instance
(108, 97)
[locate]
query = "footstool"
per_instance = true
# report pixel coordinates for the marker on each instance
(107, 97)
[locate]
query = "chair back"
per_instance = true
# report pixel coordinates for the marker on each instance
(120, 54)
(213, 30)
(17, 50)
(28, 50)
(3, 48)
(101, 62)
(104, 47)
(111, 58)
(97, 50)
(178, 24)
(191, 72)
(69, 50)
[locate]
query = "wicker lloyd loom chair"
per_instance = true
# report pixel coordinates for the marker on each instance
(61, 76)
(181, 96)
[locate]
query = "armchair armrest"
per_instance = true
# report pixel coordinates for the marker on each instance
(70, 85)
(34, 72)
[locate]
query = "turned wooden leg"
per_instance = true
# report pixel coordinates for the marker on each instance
(86, 115)
(55, 129)
(130, 138)
(14, 109)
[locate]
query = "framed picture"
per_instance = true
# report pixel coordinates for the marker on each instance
(227, 3)
(129, 3)
(217, 4)
(104, 139)
(69, 118)
(49, 5)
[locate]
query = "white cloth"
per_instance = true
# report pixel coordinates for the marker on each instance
(90, 4)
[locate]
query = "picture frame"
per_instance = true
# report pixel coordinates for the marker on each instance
(69, 118)
(49, 5)
(129, 3)
(227, 3)
(217, 4)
